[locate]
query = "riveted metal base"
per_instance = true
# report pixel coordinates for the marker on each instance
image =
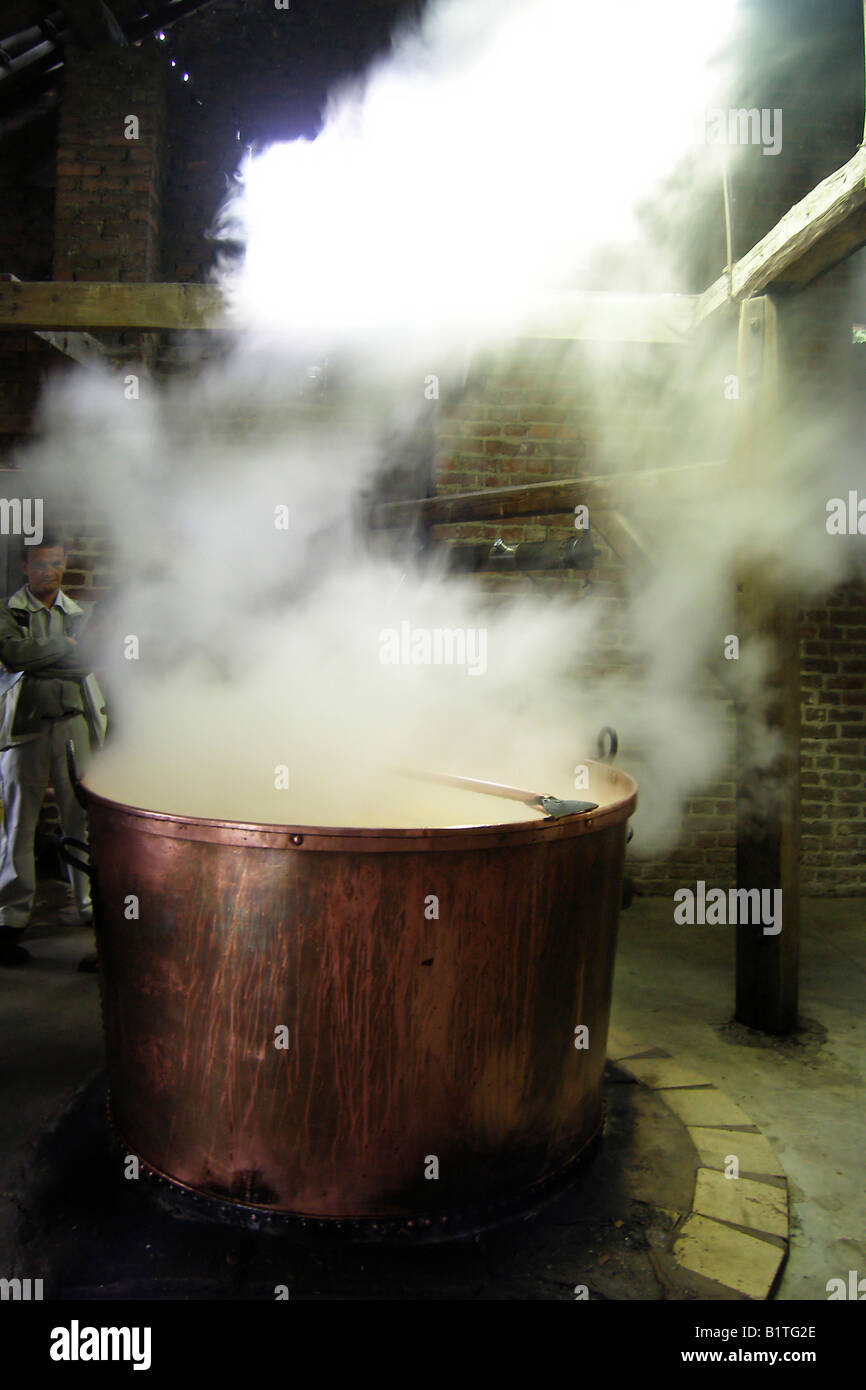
(190, 1204)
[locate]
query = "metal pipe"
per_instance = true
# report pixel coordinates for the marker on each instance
(729, 251)
(575, 554)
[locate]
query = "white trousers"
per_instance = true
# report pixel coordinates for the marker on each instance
(25, 772)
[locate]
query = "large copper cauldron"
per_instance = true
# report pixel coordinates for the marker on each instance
(433, 1075)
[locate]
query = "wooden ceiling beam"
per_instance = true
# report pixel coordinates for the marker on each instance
(81, 347)
(82, 304)
(817, 233)
(814, 235)
(93, 22)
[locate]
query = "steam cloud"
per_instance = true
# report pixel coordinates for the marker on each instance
(470, 177)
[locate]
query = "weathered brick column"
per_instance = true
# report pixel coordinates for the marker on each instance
(108, 165)
(109, 173)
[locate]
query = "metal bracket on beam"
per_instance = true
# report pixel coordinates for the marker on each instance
(81, 347)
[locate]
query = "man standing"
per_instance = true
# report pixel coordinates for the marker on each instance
(48, 694)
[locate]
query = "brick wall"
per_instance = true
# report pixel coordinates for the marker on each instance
(560, 410)
(565, 410)
(826, 375)
(109, 185)
(108, 207)
(833, 746)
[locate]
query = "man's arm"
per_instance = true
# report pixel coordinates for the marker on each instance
(35, 655)
(87, 632)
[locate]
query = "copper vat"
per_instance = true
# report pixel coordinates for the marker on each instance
(432, 1076)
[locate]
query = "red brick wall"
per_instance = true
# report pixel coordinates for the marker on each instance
(825, 376)
(565, 411)
(109, 186)
(570, 410)
(833, 746)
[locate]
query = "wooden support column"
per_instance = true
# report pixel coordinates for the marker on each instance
(768, 790)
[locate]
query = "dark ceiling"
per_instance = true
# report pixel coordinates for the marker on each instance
(316, 42)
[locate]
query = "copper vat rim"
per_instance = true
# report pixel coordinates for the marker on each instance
(406, 839)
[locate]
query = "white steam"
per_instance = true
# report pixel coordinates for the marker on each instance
(479, 168)
(477, 171)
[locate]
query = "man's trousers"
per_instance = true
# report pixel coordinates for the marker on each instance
(25, 772)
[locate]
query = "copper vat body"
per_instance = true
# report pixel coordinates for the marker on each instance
(411, 1038)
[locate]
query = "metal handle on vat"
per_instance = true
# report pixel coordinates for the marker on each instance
(81, 864)
(607, 735)
(72, 769)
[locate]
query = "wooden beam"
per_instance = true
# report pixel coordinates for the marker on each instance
(535, 499)
(768, 791)
(81, 347)
(93, 21)
(652, 318)
(81, 304)
(818, 232)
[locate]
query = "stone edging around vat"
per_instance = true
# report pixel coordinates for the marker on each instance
(737, 1230)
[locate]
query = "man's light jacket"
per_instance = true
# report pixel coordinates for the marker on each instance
(42, 678)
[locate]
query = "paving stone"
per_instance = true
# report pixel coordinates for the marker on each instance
(733, 1258)
(748, 1203)
(661, 1072)
(706, 1107)
(622, 1044)
(82, 1228)
(753, 1152)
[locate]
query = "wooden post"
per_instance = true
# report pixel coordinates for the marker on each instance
(768, 797)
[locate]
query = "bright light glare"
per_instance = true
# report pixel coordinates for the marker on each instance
(478, 167)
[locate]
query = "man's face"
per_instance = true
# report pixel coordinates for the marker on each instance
(44, 569)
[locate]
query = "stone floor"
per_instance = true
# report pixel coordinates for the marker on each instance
(65, 1218)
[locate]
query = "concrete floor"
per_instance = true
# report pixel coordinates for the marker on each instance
(673, 989)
